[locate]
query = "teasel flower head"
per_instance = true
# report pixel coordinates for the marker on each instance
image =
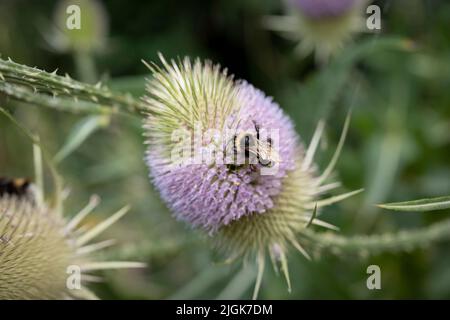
(250, 209)
(320, 26)
(42, 255)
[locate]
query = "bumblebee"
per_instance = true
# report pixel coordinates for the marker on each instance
(254, 149)
(19, 187)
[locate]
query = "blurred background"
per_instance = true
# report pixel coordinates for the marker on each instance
(398, 146)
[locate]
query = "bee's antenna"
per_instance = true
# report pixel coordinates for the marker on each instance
(256, 128)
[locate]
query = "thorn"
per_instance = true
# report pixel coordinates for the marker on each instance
(312, 217)
(334, 199)
(146, 64)
(337, 153)
(92, 233)
(260, 262)
(301, 249)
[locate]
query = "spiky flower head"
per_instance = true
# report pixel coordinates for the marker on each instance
(320, 26)
(249, 207)
(43, 256)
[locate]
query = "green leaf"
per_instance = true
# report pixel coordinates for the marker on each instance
(80, 133)
(439, 203)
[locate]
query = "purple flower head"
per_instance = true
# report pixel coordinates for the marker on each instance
(212, 195)
(261, 200)
(318, 9)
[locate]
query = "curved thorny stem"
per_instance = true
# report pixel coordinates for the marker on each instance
(388, 242)
(42, 88)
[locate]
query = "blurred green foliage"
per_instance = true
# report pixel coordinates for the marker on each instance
(398, 146)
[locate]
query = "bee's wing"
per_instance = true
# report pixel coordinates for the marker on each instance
(267, 153)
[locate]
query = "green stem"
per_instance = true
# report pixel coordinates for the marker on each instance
(147, 249)
(85, 66)
(45, 89)
(389, 242)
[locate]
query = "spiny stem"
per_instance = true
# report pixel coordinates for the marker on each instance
(46, 89)
(389, 242)
(148, 249)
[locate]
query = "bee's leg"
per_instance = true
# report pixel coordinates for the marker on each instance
(256, 129)
(247, 147)
(235, 151)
